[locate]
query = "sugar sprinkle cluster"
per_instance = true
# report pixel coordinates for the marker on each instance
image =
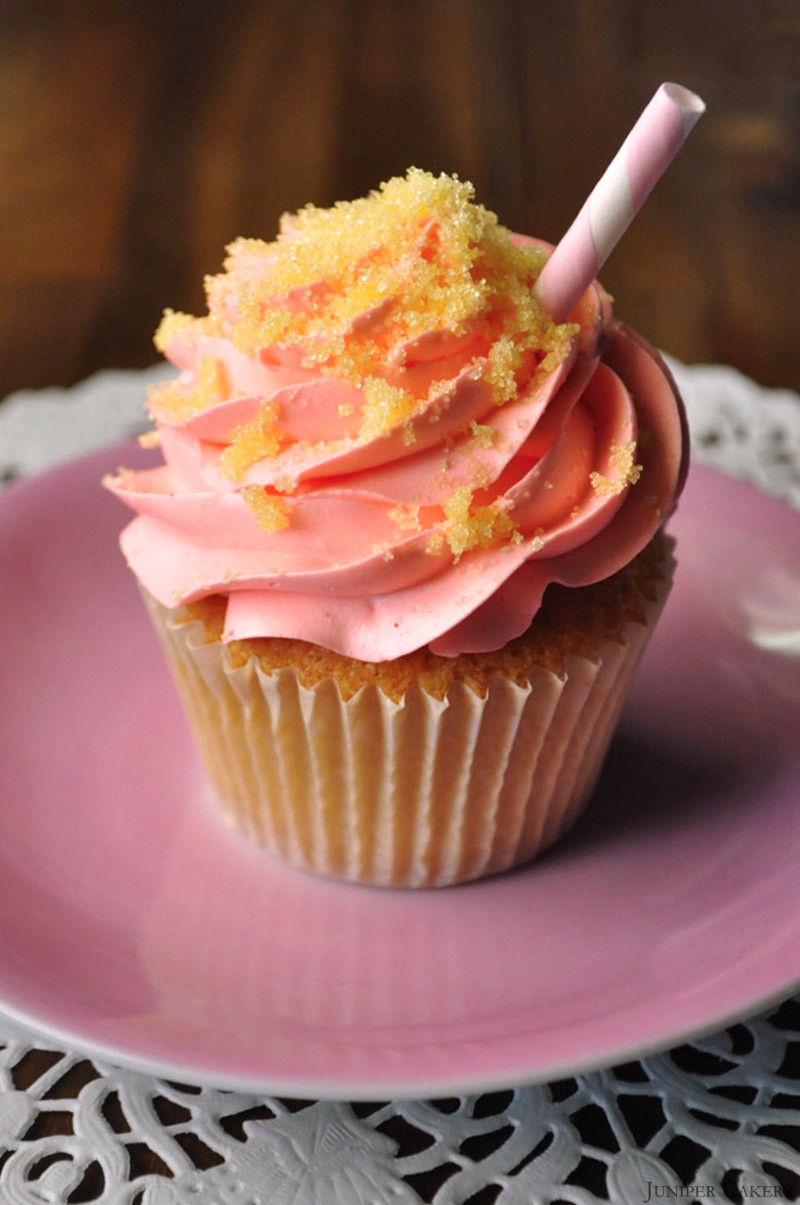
(353, 292)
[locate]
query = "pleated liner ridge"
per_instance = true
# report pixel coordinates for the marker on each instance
(421, 792)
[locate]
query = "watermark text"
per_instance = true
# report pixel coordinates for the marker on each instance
(696, 1192)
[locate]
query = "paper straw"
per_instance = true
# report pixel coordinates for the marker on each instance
(617, 197)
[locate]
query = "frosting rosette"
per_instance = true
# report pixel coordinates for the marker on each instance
(377, 440)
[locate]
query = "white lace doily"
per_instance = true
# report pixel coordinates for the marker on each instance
(716, 1119)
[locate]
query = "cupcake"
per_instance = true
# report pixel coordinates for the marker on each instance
(406, 545)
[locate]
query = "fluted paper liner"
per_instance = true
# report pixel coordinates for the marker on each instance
(421, 792)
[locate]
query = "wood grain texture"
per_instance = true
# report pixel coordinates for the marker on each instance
(137, 139)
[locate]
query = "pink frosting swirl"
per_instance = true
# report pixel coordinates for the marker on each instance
(427, 492)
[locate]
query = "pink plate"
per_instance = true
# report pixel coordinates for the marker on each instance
(135, 926)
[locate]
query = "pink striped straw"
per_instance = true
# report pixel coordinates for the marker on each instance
(617, 197)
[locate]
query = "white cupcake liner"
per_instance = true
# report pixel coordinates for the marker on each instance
(417, 793)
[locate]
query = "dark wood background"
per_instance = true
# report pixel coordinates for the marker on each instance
(138, 138)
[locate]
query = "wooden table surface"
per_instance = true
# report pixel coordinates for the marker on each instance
(138, 138)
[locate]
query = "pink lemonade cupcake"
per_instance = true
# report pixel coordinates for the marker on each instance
(406, 546)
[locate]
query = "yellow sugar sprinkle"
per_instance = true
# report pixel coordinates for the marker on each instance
(624, 471)
(174, 323)
(386, 408)
(271, 512)
(505, 358)
(469, 526)
(480, 475)
(254, 441)
(124, 478)
(483, 436)
(406, 517)
(209, 389)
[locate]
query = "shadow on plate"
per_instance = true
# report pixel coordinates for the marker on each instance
(645, 786)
